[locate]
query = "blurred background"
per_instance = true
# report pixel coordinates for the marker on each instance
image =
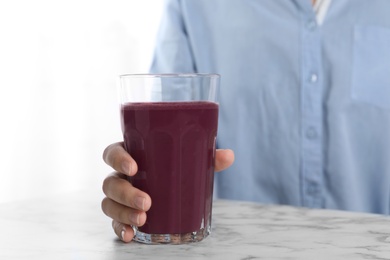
(59, 63)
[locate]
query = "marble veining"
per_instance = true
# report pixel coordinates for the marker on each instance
(72, 226)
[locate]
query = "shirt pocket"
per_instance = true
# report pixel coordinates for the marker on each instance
(371, 66)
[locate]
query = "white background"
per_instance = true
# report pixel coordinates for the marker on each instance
(59, 62)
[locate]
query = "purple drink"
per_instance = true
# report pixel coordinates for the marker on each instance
(173, 144)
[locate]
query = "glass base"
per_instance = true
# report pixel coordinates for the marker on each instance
(177, 239)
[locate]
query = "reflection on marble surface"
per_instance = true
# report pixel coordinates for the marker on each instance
(73, 227)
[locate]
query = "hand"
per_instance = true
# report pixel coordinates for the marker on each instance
(127, 205)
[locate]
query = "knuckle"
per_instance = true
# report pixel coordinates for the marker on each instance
(113, 223)
(116, 226)
(105, 206)
(106, 153)
(104, 156)
(110, 153)
(106, 184)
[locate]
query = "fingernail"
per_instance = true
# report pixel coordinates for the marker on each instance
(140, 203)
(123, 233)
(134, 218)
(126, 167)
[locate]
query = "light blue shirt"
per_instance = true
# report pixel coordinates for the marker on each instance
(306, 108)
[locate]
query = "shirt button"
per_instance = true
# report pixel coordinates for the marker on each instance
(311, 133)
(311, 25)
(313, 78)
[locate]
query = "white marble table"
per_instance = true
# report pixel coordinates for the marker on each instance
(72, 226)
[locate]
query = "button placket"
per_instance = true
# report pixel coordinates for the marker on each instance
(311, 109)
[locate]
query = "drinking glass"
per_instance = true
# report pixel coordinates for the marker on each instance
(169, 124)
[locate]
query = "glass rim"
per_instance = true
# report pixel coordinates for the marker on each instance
(171, 75)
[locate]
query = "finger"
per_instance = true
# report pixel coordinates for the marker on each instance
(120, 190)
(124, 232)
(122, 213)
(224, 158)
(116, 156)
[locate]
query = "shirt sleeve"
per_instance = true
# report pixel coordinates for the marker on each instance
(172, 52)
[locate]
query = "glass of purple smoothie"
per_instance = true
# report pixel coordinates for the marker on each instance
(169, 124)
